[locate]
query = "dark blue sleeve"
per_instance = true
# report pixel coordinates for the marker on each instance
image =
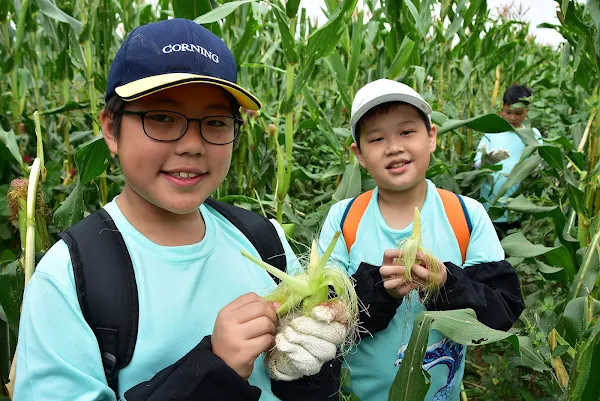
(491, 289)
(199, 376)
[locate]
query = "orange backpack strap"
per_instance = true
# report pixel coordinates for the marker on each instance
(457, 214)
(351, 218)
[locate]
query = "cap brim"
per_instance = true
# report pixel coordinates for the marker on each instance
(391, 97)
(146, 86)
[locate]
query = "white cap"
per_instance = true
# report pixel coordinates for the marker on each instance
(383, 91)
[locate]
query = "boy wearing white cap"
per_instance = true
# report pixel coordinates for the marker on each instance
(393, 140)
(149, 298)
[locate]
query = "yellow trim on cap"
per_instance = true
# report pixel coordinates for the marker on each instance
(146, 86)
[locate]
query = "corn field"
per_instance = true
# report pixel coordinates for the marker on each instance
(292, 160)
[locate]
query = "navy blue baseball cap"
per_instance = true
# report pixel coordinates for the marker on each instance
(170, 53)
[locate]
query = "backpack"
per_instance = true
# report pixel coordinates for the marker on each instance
(105, 280)
(454, 206)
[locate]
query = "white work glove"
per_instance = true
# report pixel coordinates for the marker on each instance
(493, 156)
(304, 343)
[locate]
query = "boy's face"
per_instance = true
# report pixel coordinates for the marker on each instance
(152, 168)
(515, 116)
(395, 148)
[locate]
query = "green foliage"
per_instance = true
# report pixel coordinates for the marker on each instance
(462, 327)
(292, 160)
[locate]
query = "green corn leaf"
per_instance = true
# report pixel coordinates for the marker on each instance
(336, 66)
(12, 282)
(561, 257)
(412, 381)
(4, 5)
(418, 20)
(577, 317)
(221, 12)
(70, 106)
(584, 384)
(564, 7)
(402, 57)
(299, 83)
(453, 28)
(323, 121)
(356, 46)
(524, 205)
(191, 9)
(71, 210)
(241, 49)
(49, 9)
(320, 44)
(577, 198)
(461, 326)
(517, 245)
(91, 161)
(522, 170)
(552, 155)
(324, 40)
(588, 271)
(489, 123)
(291, 8)
(8, 138)
(351, 183)
(289, 46)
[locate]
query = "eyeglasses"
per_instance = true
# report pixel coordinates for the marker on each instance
(170, 126)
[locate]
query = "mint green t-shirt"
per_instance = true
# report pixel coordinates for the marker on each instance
(181, 289)
(512, 143)
(374, 362)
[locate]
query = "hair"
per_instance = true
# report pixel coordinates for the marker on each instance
(115, 105)
(113, 108)
(517, 94)
(383, 109)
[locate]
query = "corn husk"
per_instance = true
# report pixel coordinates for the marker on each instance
(308, 288)
(410, 248)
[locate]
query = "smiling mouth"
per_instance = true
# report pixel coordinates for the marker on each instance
(397, 165)
(183, 174)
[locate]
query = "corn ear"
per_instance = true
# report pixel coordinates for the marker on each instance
(410, 247)
(310, 287)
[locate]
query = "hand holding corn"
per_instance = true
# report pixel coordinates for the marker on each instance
(393, 273)
(314, 322)
(493, 156)
(244, 329)
(304, 343)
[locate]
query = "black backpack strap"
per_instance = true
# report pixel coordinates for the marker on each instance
(106, 288)
(258, 229)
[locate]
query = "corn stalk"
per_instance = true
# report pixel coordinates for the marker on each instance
(285, 164)
(36, 236)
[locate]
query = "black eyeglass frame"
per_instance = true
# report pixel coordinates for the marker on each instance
(237, 123)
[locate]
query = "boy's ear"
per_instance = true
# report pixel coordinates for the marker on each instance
(107, 124)
(359, 156)
(433, 138)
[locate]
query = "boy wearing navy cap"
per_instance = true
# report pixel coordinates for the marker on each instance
(171, 117)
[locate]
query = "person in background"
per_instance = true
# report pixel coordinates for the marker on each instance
(505, 149)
